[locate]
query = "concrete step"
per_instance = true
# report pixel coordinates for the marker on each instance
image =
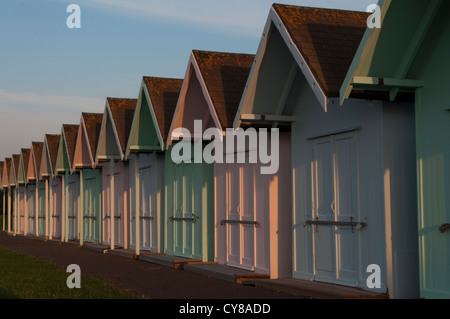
(316, 290)
(166, 260)
(127, 253)
(95, 247)
(223, 272)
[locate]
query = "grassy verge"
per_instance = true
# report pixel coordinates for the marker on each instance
(24, 277)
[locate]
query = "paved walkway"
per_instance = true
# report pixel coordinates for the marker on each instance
(141, 278)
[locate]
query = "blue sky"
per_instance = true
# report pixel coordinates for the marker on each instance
(49, 74)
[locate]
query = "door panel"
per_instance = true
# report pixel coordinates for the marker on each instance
(21, 210)
(233, 202)
(73, 190)
(41, 210)
(346, 208)
(178, 225)
(240, 196)
(31, 206)
(334, 172)
(92, 221)
(148, 221)
(323, 190)
(56, 210)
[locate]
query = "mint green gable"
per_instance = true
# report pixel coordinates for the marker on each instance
(63, 164)
(21, 174)
(189, 215)
(145, 135)
(410, 53)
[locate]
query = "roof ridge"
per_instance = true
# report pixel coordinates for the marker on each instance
(317, 8)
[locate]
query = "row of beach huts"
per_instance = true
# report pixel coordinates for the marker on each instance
(362, 120)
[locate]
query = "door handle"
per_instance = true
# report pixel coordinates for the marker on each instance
(333, 208)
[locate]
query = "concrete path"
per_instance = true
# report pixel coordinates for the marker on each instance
(141, 278)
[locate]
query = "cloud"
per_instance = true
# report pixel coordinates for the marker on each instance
(27, 117)
(236, 16)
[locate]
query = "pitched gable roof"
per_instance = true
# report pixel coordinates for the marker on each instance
(36, 155)
(122, 111)
(25, 160)
(225, 76)
(385, 62)
(52, 145)
(327, 39)
(163, 93)
(15, 168)
(37, 152)
(70, 136)
(93, 124)
(6, 171)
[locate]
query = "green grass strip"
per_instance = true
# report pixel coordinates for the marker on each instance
(24, 277)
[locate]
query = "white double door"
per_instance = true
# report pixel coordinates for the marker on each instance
(31, 206)
(73, 191)
(334, 203)
(118, 217)
(240, 216)
(148, 219)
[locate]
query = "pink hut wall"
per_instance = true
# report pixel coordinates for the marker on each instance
(121, 189)
(268, 198)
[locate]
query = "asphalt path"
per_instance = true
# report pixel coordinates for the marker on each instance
(143, 279)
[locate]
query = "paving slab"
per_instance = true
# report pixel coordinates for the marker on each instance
(127, 253)
(316, 290)
(217, 271)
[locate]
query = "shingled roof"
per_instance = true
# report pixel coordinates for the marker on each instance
(52, 144)
(5, 172)
(16, 161)
(122, 111)
(225, 76)
(26, 159)
(70, 134)
(326, 38)
(93, 124)
(164, 95)
(8, 168)
(37, 148)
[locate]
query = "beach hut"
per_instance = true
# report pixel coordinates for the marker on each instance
(114, 133)
(408, 55)
(53, 186)
(27, 194)
(90, 178)
(7, 189)
(70, 183)
(145, 151)
(213, 81)
(32, 177)
(352, 171)
(18, 218)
